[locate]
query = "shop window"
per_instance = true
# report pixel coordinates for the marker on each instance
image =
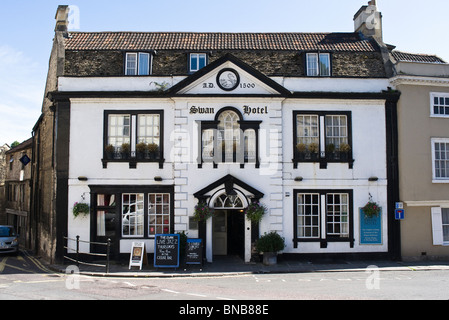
(132, 215)
(322, 137)
(158, 213)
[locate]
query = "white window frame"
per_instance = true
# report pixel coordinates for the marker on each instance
(197, 57)
(438, 226)
(315, 69)
(438, 95)
(136, 70)
(436, 179)
(158, 212)
(135, 219)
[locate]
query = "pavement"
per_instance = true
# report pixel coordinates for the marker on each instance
(232, 266)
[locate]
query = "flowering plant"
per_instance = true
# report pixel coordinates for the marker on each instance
(371, 209)
(80, 208)
(202, 212)
(255, 211)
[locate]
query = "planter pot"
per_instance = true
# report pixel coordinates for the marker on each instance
(270, 258)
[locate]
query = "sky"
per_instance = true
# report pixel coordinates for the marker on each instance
(27, 30)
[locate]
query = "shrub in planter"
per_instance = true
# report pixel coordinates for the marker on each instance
(125, 150)
(153, 150)
(270, 244)
(141, 149)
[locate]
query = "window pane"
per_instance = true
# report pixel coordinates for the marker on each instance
(336, 130)
(228, 134)
(131, 64)
(324, 64)
(149, 129)
(118, 130)
(144, 64)
(250, 145)
(312, 64)
(158, 213)
(308, 215)
(202, 61)
(441, 159)
(307, 129)
(208, 144)
(337, 214)
(132, 214)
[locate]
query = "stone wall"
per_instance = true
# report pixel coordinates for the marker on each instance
(270, 63)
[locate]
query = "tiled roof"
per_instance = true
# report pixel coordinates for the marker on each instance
(217, 41)
(413, 57)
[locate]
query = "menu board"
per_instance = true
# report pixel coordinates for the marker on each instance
(166, 251)
(194, 251)
(138, 255)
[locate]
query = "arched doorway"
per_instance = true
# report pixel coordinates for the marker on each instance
(231, 195)
(228, 225)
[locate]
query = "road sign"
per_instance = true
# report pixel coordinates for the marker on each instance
(399, 205)
(399, 214)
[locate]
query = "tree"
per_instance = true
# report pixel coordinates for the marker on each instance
(14, 144)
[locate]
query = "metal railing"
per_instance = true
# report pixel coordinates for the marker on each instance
(77, 252)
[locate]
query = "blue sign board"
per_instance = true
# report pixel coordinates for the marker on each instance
(399, 214)
(370, 228)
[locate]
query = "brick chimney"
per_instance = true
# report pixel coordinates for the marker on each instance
(62, 18)
(369, 21)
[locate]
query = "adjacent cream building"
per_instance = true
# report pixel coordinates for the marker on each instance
(423, 131)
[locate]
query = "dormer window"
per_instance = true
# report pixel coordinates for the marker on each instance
(318, 64)
(197, 61)
(138, 64)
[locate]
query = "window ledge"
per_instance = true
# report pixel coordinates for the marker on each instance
(440, 181)
(133, 162)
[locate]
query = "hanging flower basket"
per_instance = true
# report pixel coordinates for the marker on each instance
(371, 209)
(80, 208)
(255, 212)
(202, 212)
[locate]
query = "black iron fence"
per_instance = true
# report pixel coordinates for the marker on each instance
(75, 252)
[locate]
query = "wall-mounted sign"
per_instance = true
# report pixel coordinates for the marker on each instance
(255, 110)
(166, 251)
(399, 214)
(138, 255)
(248, 110)
(228, 79)
(370, 228)
(201, 110)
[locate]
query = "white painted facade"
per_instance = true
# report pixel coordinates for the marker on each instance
(275, 177)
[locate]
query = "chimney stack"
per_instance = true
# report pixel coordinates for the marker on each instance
(369, 21)
(62, 18)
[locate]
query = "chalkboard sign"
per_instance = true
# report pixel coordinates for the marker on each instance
(166, 251)
(194, 251)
